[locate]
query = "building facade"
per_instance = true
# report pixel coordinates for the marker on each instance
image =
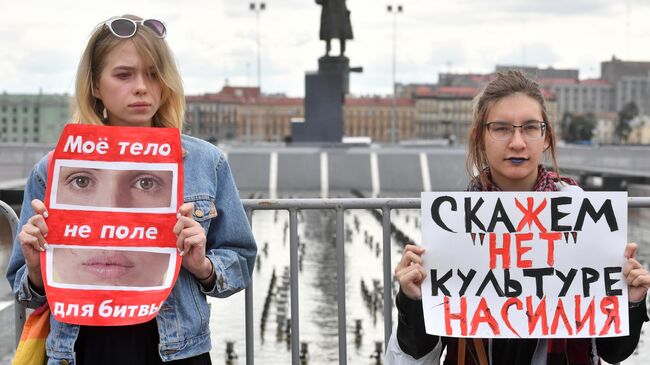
(372, 117)
(214, 116)
(444, 113)
(541, 73)
(268, 118)
(581, 96)
(615, 69)
(424, 110)
(33, 118)
(243, 114)
(633, 89)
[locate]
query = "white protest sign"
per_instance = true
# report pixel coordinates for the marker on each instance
(525, 264)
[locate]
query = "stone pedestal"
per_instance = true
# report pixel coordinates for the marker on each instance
(337, 65)
(324, 97)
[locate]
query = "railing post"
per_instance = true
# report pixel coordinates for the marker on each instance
(11, 218)
(250, 339)
(293, 268)
(19, 311)
(340, 284)
(20, 316)
(388, 295)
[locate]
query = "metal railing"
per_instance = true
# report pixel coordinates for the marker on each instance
(340, 206)
(293, 206)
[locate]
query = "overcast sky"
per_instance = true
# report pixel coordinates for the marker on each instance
(214, 41)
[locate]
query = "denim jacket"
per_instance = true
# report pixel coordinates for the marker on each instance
(183, 320)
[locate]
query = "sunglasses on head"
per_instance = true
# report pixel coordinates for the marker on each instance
(126, 28)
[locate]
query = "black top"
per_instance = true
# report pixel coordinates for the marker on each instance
(137, 344)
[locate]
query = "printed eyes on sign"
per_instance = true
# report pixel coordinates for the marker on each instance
(80, 181)
(147, 183)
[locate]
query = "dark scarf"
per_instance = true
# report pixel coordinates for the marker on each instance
(576, 350)
(546, 181)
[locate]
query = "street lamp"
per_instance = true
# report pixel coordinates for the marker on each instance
(258, 7)
(394, 9)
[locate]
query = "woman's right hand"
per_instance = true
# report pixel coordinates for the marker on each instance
(32, 242)
(410, 272)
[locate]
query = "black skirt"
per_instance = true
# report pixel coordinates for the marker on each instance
(137, 344)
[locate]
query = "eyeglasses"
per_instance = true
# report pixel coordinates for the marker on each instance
(502, 131)
(126, 28)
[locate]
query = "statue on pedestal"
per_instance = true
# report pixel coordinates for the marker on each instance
(325, 90)
(334, 23)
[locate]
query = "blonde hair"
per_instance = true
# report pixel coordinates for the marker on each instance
(505, 84)
(89, 109)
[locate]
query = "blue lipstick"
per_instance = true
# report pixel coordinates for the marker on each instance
(517, 161)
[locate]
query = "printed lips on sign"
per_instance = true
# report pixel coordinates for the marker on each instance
(112, 197)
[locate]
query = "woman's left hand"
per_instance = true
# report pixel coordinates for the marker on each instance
(191, 243)
(637, 277)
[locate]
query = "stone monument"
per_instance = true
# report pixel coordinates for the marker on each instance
(325, 89)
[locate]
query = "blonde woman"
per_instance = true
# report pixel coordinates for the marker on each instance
(127, 77)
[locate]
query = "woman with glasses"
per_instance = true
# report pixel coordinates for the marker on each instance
(127, 77)
(510, 134)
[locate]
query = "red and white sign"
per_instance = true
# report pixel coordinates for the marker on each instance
(112, 197)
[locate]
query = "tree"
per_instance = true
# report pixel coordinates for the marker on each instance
(625, 116)
(579, 127)
(567, 117)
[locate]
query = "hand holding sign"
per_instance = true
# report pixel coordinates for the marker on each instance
(410, 272)
(191, 242)
(637, 277)
(32, 242)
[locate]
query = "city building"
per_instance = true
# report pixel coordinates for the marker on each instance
(371, 117)
(213, 117)
(33, 118)
(241, 114)
(615, 69)
(268, 118)
(633, 89)
(541, 73)
(409, 90)
(244, 114)
(444, 113)
(424, 110)
(581, 96)
(473, 80)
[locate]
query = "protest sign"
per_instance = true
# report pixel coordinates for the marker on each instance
(112, 196)
(525, 264)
